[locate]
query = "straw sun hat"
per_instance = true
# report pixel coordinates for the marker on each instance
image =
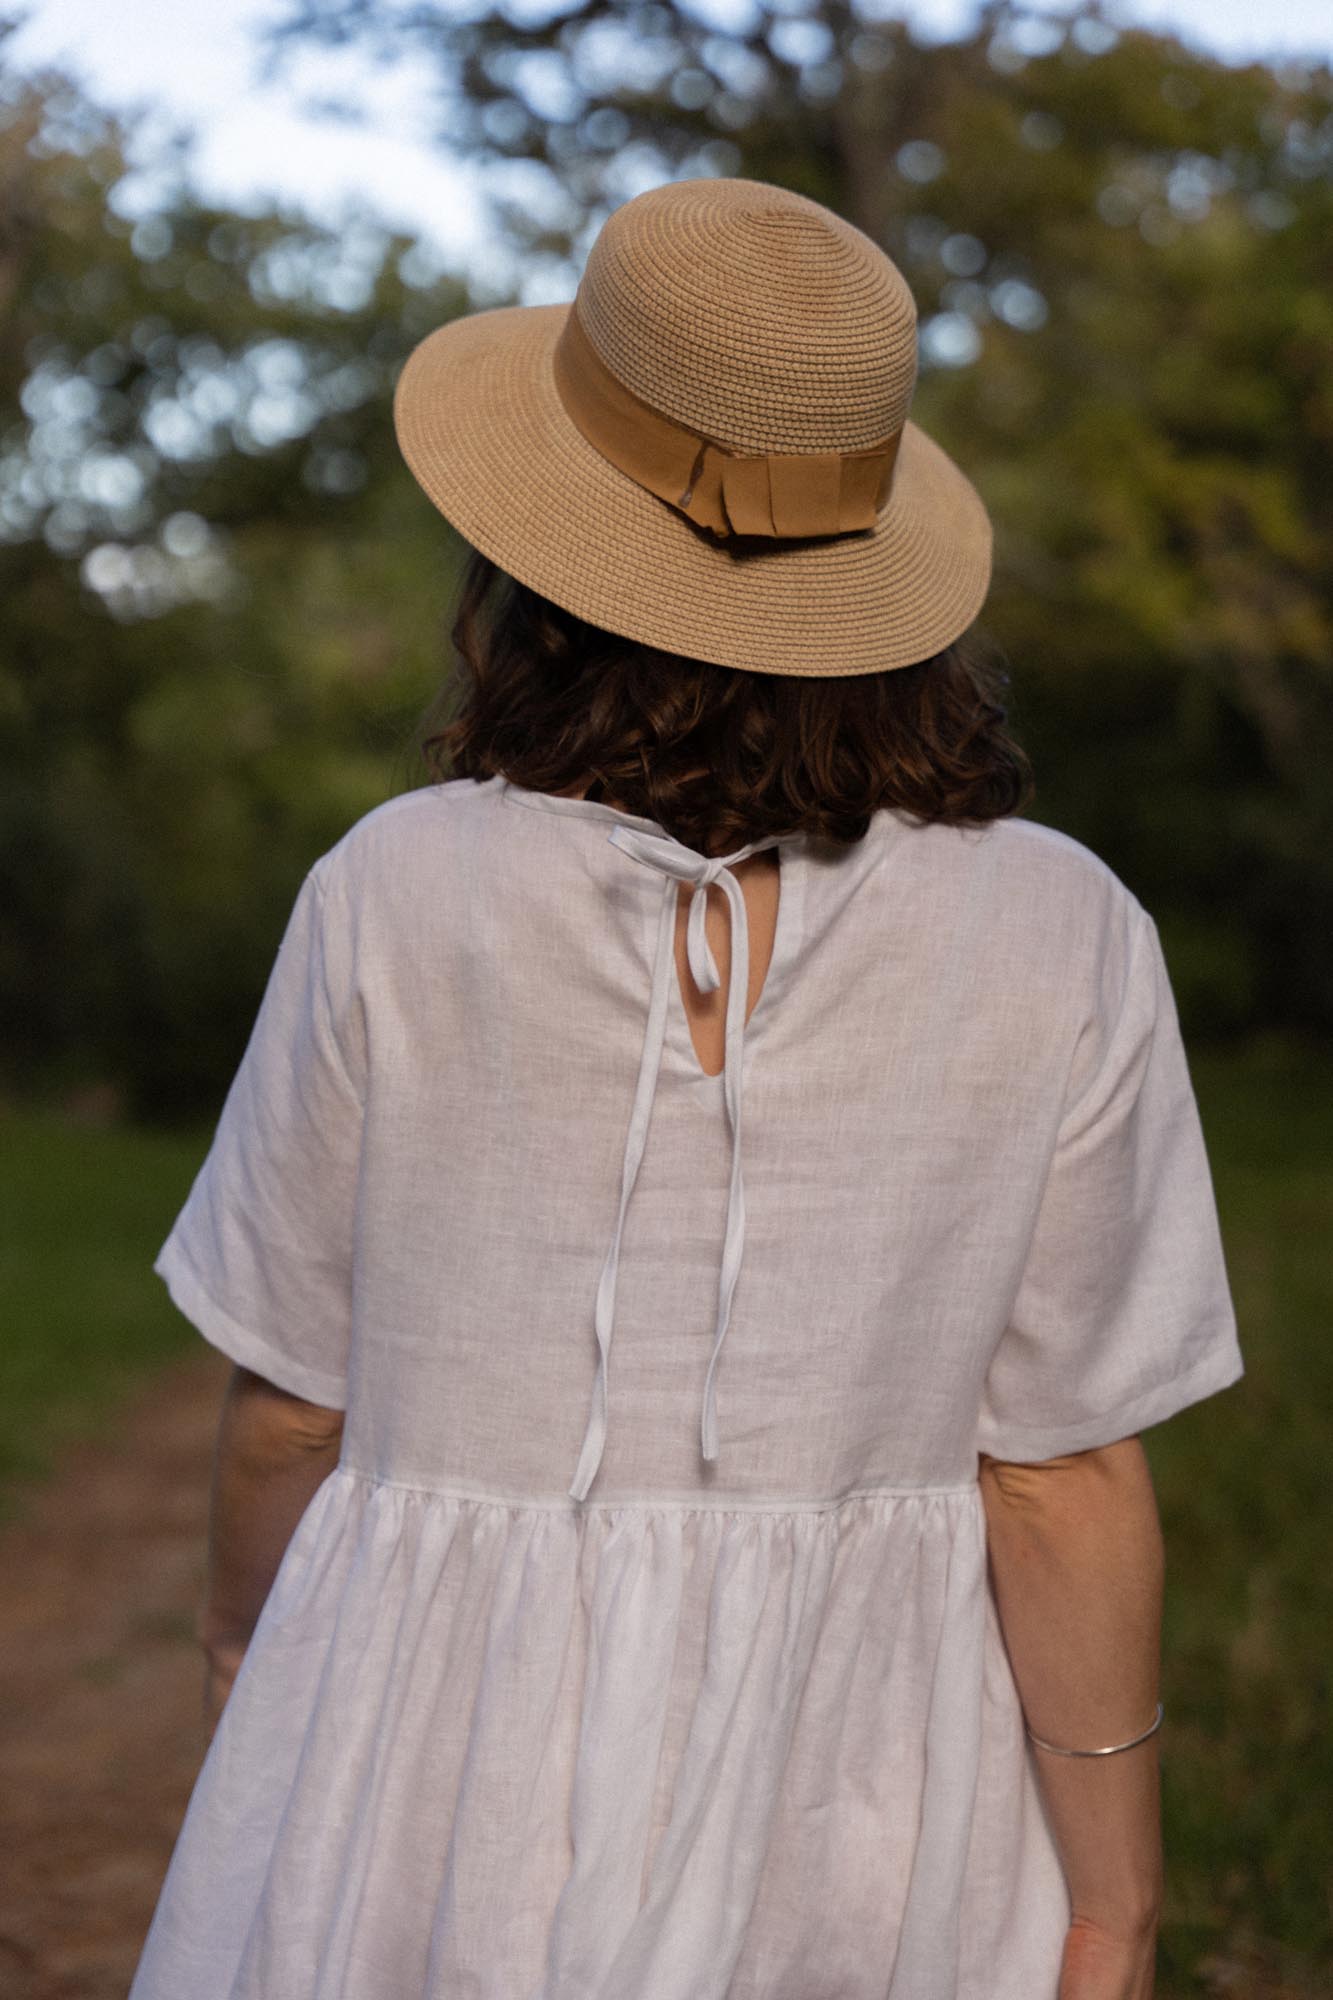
(709, 450)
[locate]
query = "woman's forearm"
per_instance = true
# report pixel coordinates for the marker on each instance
(1077, 1569)
(273, 1452)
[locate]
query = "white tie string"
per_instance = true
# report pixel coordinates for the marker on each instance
(679, 863)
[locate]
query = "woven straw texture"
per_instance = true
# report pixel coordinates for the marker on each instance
(760, 319)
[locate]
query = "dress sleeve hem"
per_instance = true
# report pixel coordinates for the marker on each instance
(1016, 1443)
(240, 1343)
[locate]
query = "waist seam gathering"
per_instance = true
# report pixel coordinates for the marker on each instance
(655, 1504)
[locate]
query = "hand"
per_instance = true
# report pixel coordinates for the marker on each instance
(1101, 1964)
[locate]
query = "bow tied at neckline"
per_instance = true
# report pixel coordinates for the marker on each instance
(682, 864)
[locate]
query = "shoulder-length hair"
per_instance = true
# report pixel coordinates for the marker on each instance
(718, 756)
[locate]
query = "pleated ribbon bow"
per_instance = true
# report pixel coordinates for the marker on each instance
(780, 494)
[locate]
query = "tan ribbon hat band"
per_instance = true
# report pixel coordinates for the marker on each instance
(786, 494)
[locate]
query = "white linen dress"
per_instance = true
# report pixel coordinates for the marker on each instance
(641, 1644)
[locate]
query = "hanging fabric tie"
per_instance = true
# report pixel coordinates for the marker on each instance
(678, 863)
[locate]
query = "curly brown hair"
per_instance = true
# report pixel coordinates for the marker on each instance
(716, 756)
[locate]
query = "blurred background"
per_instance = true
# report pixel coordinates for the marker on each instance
(224, 613)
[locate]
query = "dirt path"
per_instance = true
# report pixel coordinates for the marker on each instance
(101, 1732)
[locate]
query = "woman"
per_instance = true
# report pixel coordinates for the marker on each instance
(573, 1654)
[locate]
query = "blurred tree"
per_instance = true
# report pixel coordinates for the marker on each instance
(1119, 249)
(215, 584)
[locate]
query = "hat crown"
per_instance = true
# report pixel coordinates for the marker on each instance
(753, 316)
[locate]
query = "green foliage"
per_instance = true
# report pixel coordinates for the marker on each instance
(1247, 1762)
(221, 598)
(224, 596)
(83, 1212)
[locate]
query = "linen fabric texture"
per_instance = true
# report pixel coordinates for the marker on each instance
(741, 1728)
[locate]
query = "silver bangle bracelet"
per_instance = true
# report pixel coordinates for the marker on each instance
(1111, 1748)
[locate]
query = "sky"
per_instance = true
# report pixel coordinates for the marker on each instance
(193, 64)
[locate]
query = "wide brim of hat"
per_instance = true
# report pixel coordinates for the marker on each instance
(483, 430)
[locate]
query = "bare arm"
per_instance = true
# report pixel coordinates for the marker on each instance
(1077, 1568)
(273, 1451)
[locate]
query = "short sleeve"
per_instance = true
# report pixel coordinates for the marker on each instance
(260, 1257)
(1123, 1314)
